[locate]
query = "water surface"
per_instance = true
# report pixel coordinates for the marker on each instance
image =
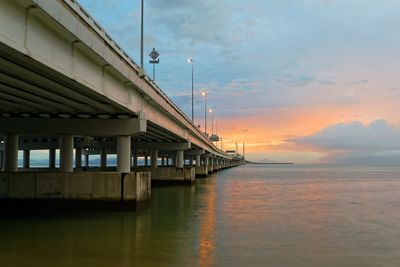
(246, 216)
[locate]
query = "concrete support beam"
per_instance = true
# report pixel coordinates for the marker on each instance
(103, 158)
(162, 161)
(10, 153)
(179, 159)
(198, 160)
(27, 158)
(124, 154)
(78, 158)
(89, 127)
(66, 153)
(173, 146)
(154, 158)
(52, 158)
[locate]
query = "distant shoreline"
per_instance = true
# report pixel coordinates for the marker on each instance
(271, 163)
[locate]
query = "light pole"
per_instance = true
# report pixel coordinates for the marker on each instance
(141, 37)
(212, 120)
(204, 93)
(190, 61)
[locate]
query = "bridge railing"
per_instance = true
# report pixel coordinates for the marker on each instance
(84, 15)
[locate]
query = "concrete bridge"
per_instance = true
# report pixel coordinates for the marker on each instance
(65, 84)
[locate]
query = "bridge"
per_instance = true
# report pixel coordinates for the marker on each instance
(66, 86)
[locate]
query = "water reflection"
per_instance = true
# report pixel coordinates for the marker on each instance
(207, 228)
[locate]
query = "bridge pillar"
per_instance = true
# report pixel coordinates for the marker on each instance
(146, 161)
(78, 158)
(11, 153)
(134, 157)
(87, 160)
(1, 159)
(179, 159)
(52, 158)
(198, 160)
(27, 158)
(154, 158)
(103, 158)
(163, 160)
(191, 161)
(124, 154)
(66, 153)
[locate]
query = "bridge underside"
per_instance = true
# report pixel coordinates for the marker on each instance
(58, 95)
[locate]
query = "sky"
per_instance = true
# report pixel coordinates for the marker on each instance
(304, 81)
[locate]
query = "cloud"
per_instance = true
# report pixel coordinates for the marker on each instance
(304, 63)
(378, 135)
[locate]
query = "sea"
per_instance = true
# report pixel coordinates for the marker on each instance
(253, 215)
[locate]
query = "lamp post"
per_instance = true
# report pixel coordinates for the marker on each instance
(141, 36)
(204, 93)
(212, 120)
(190, 61)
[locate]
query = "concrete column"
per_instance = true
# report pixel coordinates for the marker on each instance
(191, 161)
(206, 161)
(10, 153)
(27, 158)
(146, 161)
(135, 157)
(179, 159)
(124, 154)
(52, 158)
(198, 160)
(87, 160)
(154, 158)
(163, 161)
(1, 159)
(78, 158)
(66, 153)
(103, 158)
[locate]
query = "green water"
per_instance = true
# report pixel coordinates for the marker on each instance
(246, 216)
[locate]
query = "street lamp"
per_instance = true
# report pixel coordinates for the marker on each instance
(204, 93)
(212, 120)
(190, 61)
(141, 36)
